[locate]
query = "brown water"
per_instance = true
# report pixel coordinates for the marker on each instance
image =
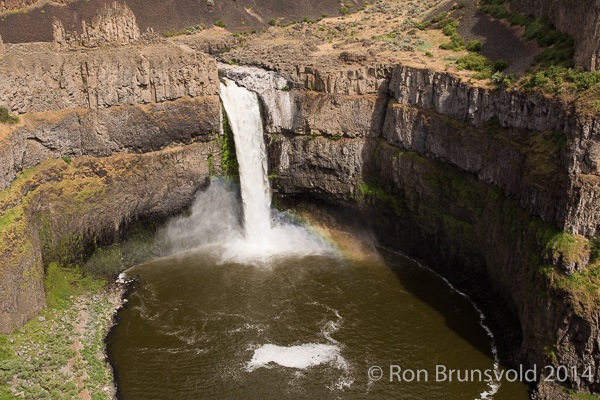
(299, 328)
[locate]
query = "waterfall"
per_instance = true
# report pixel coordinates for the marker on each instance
(244, 116)
(213, 224)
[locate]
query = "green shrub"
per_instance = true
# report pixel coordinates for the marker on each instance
(496, 11)
(556, 79)
(272, 22)
(220, 23)
(454, 45)
(474, 62)
(474, 45)
(519, 19)
(484, 67)
(500, 65)
(344, 10)
(423, 25)
(6, 117)
(500, 79)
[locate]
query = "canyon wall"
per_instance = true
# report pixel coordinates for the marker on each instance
(578, 18)
(105, 137)
(480, 183)
(7, 5)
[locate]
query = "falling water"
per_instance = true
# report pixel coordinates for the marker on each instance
(266, 234)
(214, 220)
(244, 116)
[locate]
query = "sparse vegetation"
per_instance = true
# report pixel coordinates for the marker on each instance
(375, 191)
(189, 30)
(492, 126)
(559, 46)
(6, 117)
(220, 24)
(229, 163)
(557, 80)
(39, 361)
(554, 73)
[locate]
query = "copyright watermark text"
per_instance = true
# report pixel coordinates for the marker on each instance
(441, 373)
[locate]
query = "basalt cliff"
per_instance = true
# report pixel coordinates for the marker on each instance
(131, 130)
(498, 190)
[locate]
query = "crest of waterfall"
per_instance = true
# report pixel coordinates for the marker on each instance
(282, 109)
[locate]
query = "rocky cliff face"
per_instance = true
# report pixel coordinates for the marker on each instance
(37, 79)
(578, 18)
(97, 102)
(20, 4)
(545, 155)
(151, 114)
(63, 209)
(478, 182)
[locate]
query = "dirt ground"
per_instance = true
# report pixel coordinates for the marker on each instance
(35, 24)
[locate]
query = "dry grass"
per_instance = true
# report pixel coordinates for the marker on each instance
(383, 32)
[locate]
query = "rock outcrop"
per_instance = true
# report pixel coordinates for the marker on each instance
(38, 79)
(115, 24)
(578, 18)
(67, 207)
(7, 5)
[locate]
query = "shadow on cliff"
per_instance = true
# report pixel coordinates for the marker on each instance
(387, 212)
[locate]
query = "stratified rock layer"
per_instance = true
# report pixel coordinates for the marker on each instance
(129, 105)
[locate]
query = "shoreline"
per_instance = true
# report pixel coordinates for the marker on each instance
(63, 349)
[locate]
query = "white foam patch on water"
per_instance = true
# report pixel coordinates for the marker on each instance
(300, 356)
